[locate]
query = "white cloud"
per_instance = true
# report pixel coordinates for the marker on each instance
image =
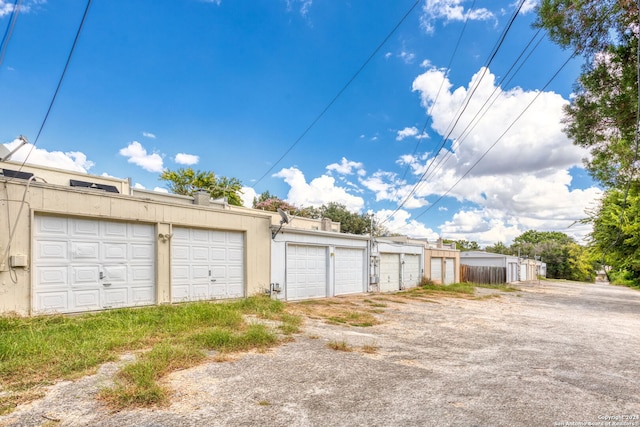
(388, 55)
(71, 160)
(450, 10)
(186, 159)
(139, 186)
(524, 183)
(528, 6)
(400, 222)
(216, 2)
(407, 57)
(410, 132)
(149, 135)
(247, 195)
(305, 5)
(160, 190)
(7, 7)
(137, 155)
(346, 167)
(319, 191)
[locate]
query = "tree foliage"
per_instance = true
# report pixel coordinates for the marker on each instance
(603, 114)
(187, 181)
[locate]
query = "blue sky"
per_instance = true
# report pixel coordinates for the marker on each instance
(231, 86)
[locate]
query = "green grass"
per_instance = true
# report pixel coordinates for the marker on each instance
(339, 346)
(41, 350)
(501, 287)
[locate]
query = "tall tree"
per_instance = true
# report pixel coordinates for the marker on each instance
(603, 115)
(186, 181)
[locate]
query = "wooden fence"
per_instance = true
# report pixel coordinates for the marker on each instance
(487, 275)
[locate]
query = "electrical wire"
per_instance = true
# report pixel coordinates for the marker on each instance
(461, 109)
(340, 92)
(500, 137)
(64, 72)
(9, 31)
(435, 100)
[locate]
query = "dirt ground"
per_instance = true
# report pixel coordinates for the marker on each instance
(551, 354)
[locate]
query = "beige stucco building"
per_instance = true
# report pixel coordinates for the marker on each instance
(74, 242)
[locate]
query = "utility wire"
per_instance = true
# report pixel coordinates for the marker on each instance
(435, 100)
(500, 137)
(461, 110)
(344, 88)
(486, 106)
(9, 31)
(64, 72)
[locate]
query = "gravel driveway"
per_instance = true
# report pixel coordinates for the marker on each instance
(551, 354)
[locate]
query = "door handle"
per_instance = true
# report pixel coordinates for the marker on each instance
(101, 275)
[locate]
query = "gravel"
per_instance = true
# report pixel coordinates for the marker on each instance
(554, 353)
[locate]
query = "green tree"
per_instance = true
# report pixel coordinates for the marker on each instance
(464, 245)
(616, 231)
(186, 181)
(603, 114)
(499, 248)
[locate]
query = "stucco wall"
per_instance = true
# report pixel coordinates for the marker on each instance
(451, 255)
(49, 199)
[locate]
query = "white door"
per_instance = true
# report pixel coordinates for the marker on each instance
(389, 272)
(206, 264)
(306, 268)
(89, 264)
(412, 271)
(436, 270)
(349, 271)
(449, 271)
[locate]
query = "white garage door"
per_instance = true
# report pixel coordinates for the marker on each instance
(88, 264)
(306, 272)
(206, 264)
(436, 270)
(449, 272)
(389, 272)
(349, 271)
(411, 276)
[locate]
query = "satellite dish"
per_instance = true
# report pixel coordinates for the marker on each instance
(284, 216)
(4, 152)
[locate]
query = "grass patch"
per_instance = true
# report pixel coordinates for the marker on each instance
(41, 350)
(370, 348)
(339, 345)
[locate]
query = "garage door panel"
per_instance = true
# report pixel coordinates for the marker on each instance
(115, 251)
(115, 230)
(141, 251)
(412, 270)
(349, 271)
(85, 251)
(449, 276)
(85, 300)
(142, 273)
(52, 251)
(94, 264)
(82, 275)
(116, 297)
(436, 269)
(52, 226)
(209, 258)
(52, 276)
(52, 301)
(84, 228)
(306, 272)
(389, 272)
(143, 295)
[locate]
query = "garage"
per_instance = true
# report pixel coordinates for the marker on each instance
(306, 272)
(389, 272)
(412, 271)
(436, 269)
(88, 264)
(349, 271)
(206, 264)
(449, 271)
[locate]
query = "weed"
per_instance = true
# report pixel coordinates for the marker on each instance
(339, 345)
(370, 348)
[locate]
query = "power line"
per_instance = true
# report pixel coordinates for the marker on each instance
(340, 92)
(64, 72)
(500, 137)
(461, 109)
(9, 31)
